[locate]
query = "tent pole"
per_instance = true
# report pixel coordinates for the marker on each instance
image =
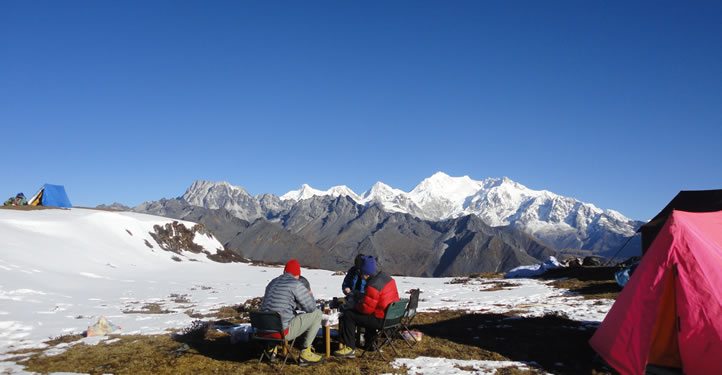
(620, 249)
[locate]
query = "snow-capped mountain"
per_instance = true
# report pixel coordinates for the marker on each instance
(390, 199)
(306, 192)
(562, 222)
(235, 199)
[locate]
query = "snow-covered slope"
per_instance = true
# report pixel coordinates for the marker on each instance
(60, 270)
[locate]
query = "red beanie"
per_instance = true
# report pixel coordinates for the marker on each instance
(293, 268)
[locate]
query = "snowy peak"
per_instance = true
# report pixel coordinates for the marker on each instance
(222, 195)
(562, 222)
(306, 192)
(212, 195)
(380, 192)
(342, 191)
(443, 185)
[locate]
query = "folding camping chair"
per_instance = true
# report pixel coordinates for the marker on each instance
(409, 315)
(267, 327)
(389, 327)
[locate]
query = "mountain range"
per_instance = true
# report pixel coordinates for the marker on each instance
(445, 226)
(561, 222)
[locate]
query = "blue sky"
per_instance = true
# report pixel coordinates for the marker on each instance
(616, 103)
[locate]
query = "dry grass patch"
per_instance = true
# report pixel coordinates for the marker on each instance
(516, 371)
(149, 308)
(64, 339)
(180, 298)
(487, 275)
(554, 342)
(30, 208)
(483, 275)
(492, 286)
(592, 289)
(231, 314)
(199, 349)
(163, 355)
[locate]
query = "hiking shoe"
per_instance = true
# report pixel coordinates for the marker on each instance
(308, 357)
(346, 352)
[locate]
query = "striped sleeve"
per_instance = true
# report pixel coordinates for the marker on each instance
(304, 298)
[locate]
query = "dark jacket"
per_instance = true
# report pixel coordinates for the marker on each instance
(380, 292)
(353, 280)
(282, 295)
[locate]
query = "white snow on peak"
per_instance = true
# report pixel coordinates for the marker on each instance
(562, 222)
(498, 201)
(212, 195)
(306, 192)
(342, 190)
(442, 196)
(441, 185)
(380, 192)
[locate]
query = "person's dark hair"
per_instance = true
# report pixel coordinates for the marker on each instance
(358, 261)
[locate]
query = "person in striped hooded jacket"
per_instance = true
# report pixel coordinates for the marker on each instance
(284, 294)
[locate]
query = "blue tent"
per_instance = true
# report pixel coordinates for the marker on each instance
(51, 195)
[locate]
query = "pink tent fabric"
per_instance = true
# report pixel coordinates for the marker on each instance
(678, 285)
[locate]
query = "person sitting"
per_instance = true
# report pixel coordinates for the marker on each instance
(353, 282)
(282, 295)
(380, 291)
(19, 200)
(305, 283)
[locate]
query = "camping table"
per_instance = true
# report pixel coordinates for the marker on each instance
(328, 320)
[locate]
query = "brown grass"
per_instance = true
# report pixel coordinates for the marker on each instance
(487, 275)
(548, 341)
(497, 285)
(30, 208)
(149, 308)
(180, 298)
(593, 289)
(63, 339)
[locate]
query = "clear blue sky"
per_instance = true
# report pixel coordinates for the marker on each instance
(616, 103)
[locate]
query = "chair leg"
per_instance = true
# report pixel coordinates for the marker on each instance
(264, 354)
(374, 348)
(389, 340)
(386, 337)
(407, 340)
(288, 349)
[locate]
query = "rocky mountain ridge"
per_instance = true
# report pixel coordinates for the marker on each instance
(561, 222)
(326, 232)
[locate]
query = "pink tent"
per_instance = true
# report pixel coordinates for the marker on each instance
(670, 312)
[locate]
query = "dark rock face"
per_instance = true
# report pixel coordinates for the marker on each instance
(260, 240)
(327, 233)
(561, 222)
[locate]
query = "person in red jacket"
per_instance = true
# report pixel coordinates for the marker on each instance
(369, 312)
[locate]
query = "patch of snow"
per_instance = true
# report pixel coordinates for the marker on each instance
(445, 366)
